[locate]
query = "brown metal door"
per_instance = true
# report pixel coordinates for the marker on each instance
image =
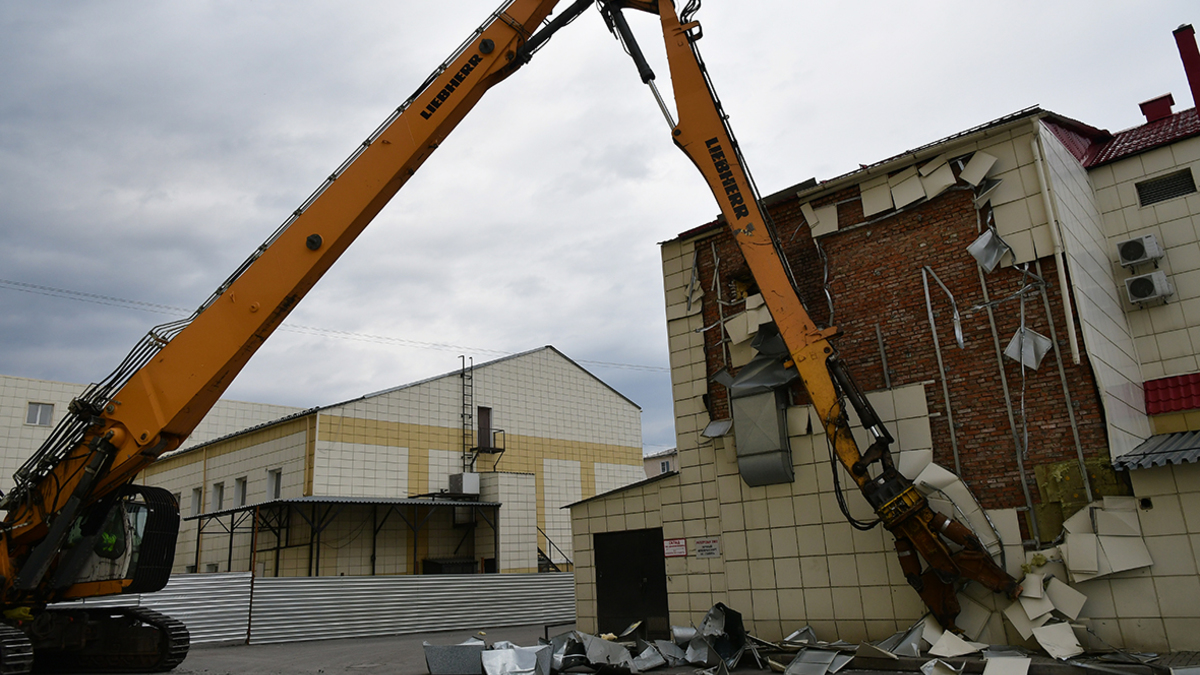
(631, 582)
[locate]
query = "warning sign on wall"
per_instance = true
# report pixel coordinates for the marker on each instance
(675, 548)
(708, 548)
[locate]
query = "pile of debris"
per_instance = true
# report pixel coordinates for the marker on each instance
(717, 646)
(721, 644)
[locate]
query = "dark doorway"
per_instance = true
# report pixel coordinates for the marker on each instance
(631, 582)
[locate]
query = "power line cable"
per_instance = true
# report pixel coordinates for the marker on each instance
(171, 310)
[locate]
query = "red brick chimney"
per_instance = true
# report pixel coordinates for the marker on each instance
(1185, 38)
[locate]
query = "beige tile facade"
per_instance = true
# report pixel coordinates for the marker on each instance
(21, 439)
(1168, 336)
(788, 557)
(1156, 608)
(587, 435)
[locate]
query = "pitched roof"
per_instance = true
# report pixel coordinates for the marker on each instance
(317, 409)
(926, 151)
(1177, 127)
(480, 366)
(1093, 147)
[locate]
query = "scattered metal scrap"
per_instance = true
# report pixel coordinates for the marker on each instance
(1045, 614)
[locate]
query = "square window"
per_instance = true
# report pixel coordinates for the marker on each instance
(665, 466)
(39, 414)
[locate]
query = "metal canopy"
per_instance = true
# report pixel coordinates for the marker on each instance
(1175, 448)
(399, 501)
(275, 517)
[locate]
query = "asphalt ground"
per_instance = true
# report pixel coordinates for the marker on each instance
(397, 654)
(404, 655)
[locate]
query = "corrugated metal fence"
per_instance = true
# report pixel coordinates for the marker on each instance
(314, 608)
(214, 607)
(234, 607)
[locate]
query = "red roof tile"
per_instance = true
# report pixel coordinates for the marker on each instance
(1085, 143)
(1181, 125)
(1172, 394)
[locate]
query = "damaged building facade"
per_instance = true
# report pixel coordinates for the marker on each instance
(461, 473)
(1021, 303)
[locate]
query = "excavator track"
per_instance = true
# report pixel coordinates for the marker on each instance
(16, 653)
(129, 640)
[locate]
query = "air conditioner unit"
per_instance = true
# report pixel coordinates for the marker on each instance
(1139, 250)
(464, 483)
(1148, 287)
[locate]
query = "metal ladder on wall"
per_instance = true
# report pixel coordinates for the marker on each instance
(467, 375)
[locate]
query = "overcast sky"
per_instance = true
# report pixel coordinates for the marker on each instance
(147, 147)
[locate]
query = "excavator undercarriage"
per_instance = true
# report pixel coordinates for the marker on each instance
(101, 640)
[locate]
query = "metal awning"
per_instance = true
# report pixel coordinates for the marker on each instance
(382, 501)
(275, 517)
(1161, 450)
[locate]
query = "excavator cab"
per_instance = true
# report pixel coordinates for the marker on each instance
(127, 540)
(124, 543)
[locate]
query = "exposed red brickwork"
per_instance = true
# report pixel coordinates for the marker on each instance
(875, 278)
(1173, 394)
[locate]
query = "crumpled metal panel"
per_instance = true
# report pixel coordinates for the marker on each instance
(509, 659)
(568, 652)
(724, 631)
(682, 635)
(601, 652)
(649, 659)
(460, 659)
(811, 662)
(673, 653)
(214, 607)
(699, 653)
(290, 609)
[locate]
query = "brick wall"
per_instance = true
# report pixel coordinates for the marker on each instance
(874, 276)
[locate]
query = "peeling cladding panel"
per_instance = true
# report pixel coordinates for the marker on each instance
(827, 218)
(906, 187)
(936, 163)
(876, 196)
(741, 353)
(938, 181)
(738, 328)
(760, 431)
(978, 168)
(822, 220)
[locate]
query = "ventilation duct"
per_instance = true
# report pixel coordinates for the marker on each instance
(758, 402)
